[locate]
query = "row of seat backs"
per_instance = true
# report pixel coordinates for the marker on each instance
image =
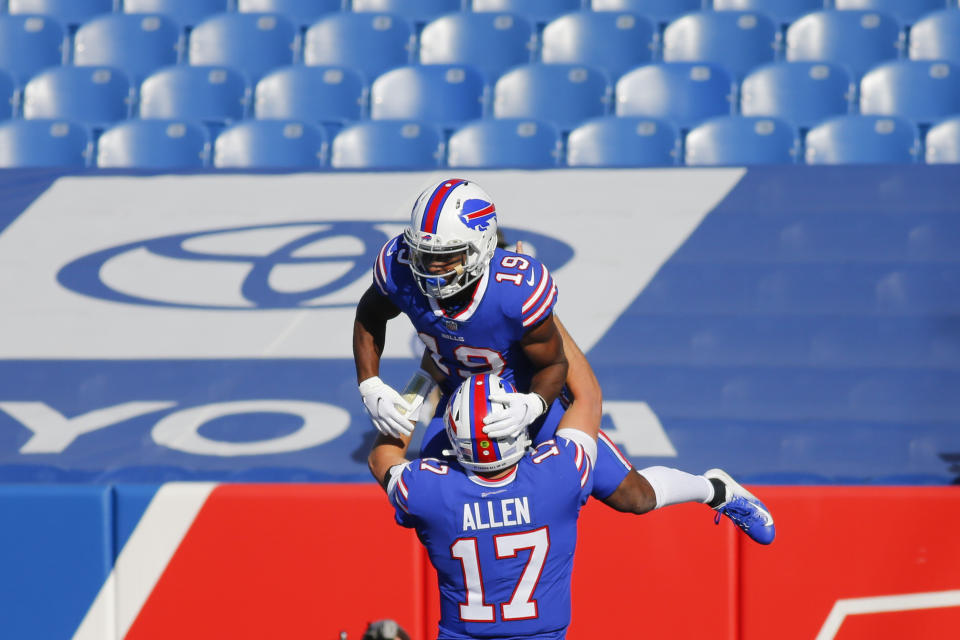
(602, 142)
(305, 12)
(493, 43)
(449, 95)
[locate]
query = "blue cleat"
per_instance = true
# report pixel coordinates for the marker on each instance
(746, 511)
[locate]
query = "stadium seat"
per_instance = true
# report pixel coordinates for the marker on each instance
(800, 92)
(683, 92)
(660, 11)
(416, 11)
(271, 144)
(856, 139)
(95, 96)
(782, 11)
(136, 44)
(154, 144)
(212, 95)
(387, 144)
(741, 140)
(614, 42)
(7, 95)
(537, 11)
(444, 95)
(943, 142)
(43, 143)
(856, 39)
(70, 13)
(253, 43)
(370, 43)
(504, 143)
(302, 13)
(532, 92)
(29, 44)
(613, 141)
(936, 37)
(906, 11)
(735, 40)
(491, 42)
(920, 90)
(311, 94)
(185, 12)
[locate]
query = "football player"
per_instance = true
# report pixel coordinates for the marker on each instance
(482, 309)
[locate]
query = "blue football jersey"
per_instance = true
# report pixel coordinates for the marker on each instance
(503, 549)
(516, 292)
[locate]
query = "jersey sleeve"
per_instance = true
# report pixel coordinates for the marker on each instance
(402, 479)
(573, 466)
(414, 487)
(385, 268)
(536, 294)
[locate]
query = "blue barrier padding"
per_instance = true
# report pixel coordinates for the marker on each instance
(56, 545)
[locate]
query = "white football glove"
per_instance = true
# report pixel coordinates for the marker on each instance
(521, 409)
(386, 407)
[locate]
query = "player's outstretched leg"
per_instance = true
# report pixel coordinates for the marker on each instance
(746, 511)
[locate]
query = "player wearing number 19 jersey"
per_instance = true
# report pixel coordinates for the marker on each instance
(502, 543)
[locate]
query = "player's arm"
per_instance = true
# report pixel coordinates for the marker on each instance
(543, 346)
(385, 406)
(387, 453)
(586, 411)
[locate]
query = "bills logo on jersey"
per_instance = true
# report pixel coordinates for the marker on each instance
(477, 214)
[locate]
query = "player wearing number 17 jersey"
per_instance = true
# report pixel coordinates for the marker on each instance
(499, 521)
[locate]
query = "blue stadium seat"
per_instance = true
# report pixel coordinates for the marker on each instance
(387, 144)
(68, 12)
(906, 11)
(741, 140)
(444, 95)
(943, 142)
(614, 42)
(212, 95)
(800, 92)
(537, 11)
(491, 42)
(136, 44)
(627, 141)
(683, 92)
(271, 144)
(186, 12)
(920, 90)
(504, 143)
(95, 96)
(856, 139)
(154, 144)
(735, 40)
(312, 94)
(416, 11)
(302, 13)
(782, 11)
(532, 92)
(856, 39)
(253, 43)
(370, 43)
(29, 44)
(7, 95)
(936, 37)
(660, 11)
(43, 143)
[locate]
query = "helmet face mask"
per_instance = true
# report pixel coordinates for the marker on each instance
(449, 219)
(463, 421)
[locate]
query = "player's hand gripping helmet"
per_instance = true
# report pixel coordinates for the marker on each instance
(450, 219)
(463, 421)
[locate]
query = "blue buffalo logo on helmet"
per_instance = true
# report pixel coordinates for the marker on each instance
(476, 214)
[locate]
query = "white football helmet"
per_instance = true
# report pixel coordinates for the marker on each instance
(463, 421)
(450, 218)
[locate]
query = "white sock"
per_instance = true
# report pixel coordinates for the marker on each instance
(672, 486)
